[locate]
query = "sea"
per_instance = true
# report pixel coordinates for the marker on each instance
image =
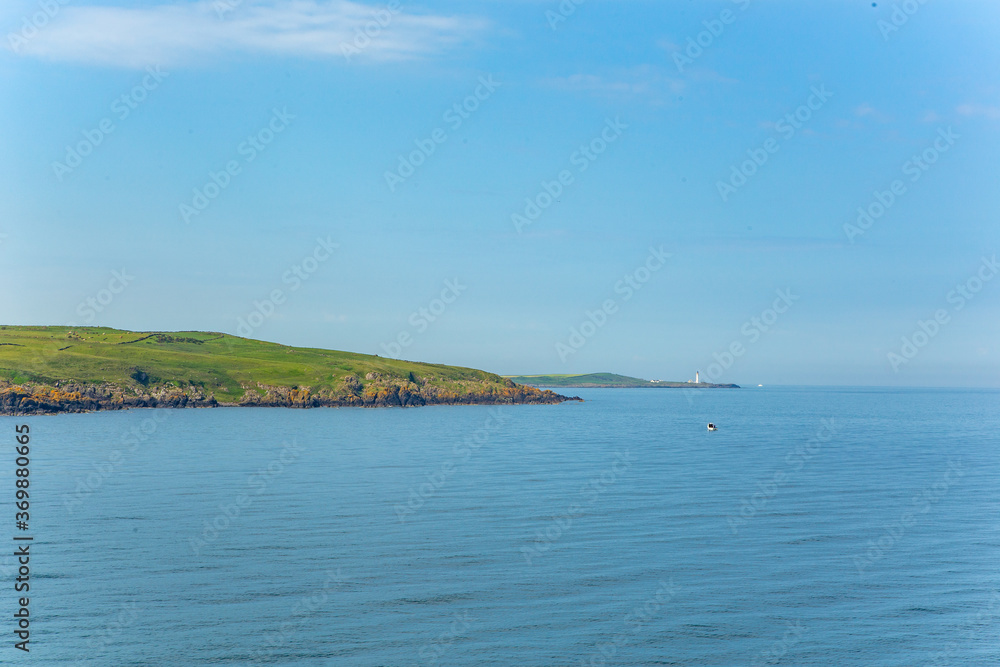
(816, 526)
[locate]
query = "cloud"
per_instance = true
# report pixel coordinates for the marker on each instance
(186, 33)
(979, 110)
(864, 110)
(643, 81)
(668, 45)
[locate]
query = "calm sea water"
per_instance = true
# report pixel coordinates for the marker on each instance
(816, 527)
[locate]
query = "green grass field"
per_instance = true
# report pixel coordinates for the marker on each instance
(215, 363)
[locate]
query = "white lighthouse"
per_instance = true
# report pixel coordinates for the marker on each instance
(697, 377)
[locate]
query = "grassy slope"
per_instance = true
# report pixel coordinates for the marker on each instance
(222, 364)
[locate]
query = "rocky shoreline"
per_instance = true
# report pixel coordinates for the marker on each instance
(41, 399)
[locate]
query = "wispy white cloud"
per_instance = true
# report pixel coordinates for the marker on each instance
(644, 81)
(863, 110)
(982, 110)
(668, 45)
(185, 33)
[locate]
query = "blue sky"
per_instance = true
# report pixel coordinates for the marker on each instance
(641, 126)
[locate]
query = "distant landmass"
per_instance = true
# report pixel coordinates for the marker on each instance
(608, 380)
(49, 369)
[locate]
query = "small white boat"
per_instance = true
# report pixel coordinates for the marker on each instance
(711, 427)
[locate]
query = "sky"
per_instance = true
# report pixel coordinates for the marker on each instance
(768, 191)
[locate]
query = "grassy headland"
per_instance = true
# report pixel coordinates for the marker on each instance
(63, 369)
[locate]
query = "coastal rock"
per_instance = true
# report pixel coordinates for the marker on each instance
(381, 392)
